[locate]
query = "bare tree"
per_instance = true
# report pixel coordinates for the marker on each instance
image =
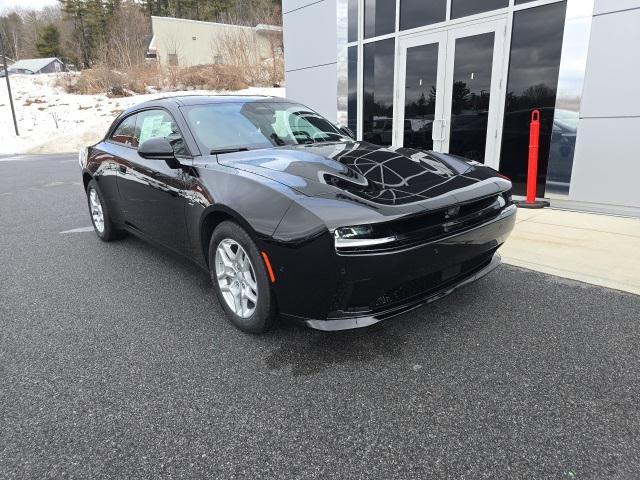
(259, 55)
(125, 46)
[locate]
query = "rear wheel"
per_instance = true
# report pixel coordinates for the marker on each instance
(240, 279)
(100, 215)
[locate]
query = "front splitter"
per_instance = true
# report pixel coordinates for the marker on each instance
(365, 321)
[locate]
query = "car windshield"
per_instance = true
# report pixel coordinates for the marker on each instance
(236, 126)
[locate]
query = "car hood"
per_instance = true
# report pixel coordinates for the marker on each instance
(370, 173)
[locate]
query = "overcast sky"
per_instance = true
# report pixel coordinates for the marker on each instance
(9, 4)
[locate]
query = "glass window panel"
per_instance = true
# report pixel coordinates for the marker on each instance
(536, 45)
(470, 101)
(379, 17)
(420, 96)
(462, 8)
(159, 124)
(352, 14)
(258, 125)
(352, 88)
(416, 13)
(126, 133)
(377, 114)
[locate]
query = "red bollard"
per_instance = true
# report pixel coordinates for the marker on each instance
(534, 141)
(532, 170)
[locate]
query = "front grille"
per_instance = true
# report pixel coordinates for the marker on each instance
(431, 226)
(429, 284)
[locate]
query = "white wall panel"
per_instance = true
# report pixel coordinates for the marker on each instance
(310, 37)
(607, 167)
(606, 6)
(613, 66)
(315, 87)
(288, 5)
(607, 163)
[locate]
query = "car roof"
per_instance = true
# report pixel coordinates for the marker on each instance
(186, 100)
(169, 101)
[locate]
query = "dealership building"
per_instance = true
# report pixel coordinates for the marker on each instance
(465, 77)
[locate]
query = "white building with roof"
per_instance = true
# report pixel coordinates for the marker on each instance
(184, 42)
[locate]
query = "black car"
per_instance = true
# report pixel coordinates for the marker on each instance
(291, 216)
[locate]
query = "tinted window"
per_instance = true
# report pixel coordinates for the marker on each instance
(416, 13)
(258, 125)
(533, 79)
(378, 91)
(470, 100)
(462, 8)
(125, 133)
(352, 21)
(420, 95)
(352, 88)
(379, 17)
(159, 124)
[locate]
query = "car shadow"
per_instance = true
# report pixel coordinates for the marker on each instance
(307, 351)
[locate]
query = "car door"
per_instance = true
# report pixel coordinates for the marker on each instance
(152, 193)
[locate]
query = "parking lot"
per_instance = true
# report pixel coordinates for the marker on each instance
(116, 362)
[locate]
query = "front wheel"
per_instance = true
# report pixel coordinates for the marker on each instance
(240, 279)
(100, 215)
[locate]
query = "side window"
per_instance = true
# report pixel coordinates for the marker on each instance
(125, 133)
(159, 124)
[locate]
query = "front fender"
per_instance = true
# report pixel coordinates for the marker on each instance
(220, 193)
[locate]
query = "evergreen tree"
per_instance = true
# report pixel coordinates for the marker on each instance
(48, 44)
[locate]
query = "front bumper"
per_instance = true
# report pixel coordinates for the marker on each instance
(354, 291)
(365, 321)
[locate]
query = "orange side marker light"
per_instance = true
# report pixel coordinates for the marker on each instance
(272, 277)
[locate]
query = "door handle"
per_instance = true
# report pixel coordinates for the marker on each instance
(443, 124)
(442, 131)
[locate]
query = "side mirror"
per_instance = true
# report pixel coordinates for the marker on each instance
(159, 149)
(346, 131)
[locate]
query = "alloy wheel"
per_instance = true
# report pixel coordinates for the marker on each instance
(96, 210)
(236, 278)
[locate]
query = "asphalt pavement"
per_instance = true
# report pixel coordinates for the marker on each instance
(116, 362)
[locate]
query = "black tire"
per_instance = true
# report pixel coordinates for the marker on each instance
(109, 231)
(264, 314)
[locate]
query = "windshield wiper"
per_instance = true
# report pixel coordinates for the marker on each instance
(228, 150)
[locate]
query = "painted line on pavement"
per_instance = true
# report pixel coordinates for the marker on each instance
(79, 230)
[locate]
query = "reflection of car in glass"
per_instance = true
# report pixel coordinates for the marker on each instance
(469, 135)
(563, 143)
(380, 131)
(289, 215)
(420, 132)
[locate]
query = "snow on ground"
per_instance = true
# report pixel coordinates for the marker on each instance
(53, 121)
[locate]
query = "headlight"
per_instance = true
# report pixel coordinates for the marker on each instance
(359, 231)
(360, 236)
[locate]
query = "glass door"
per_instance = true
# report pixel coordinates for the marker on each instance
(473, 91)
(419, 120)
(449, 86)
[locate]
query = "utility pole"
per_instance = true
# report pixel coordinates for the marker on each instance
(6, 76)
